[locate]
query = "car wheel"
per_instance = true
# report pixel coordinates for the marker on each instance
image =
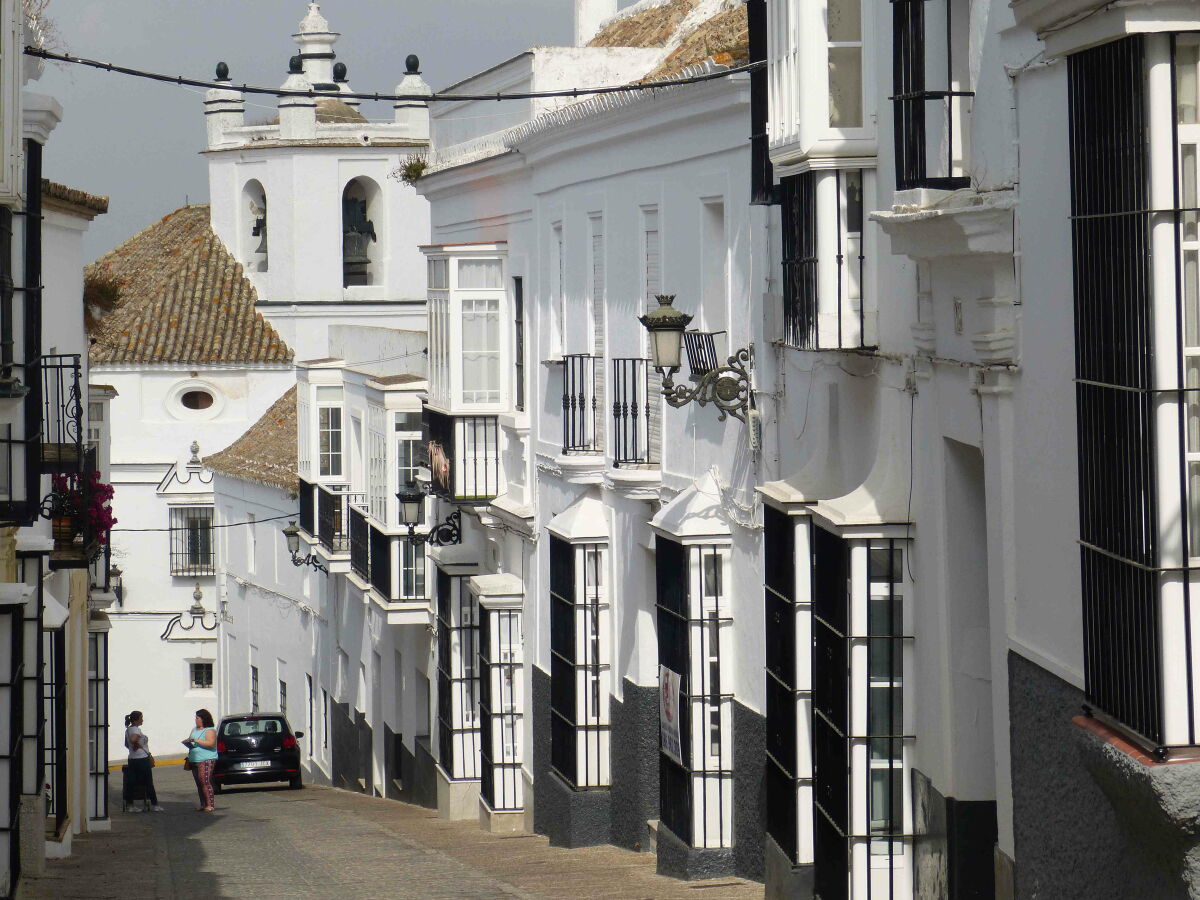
(296, 783)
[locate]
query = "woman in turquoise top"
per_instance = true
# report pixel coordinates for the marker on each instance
(202, 754)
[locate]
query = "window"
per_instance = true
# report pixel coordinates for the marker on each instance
(283, 697)
(329, 431)
(651, 256)
(95, 429)
(501, 784)
(201, 676)
(845, 48)
(438, 271)
(931, 106)
(558, 303)
(480, 274)
(438, 311)
(597, 286)
(251, 542)
(254, 689)
(408, 436)
(824, 285)
(695, 786)
(325, 718)
(519, 342)
(412, 570)
(480, 351)
(191, 529)
(377, 463)
(310, 719)
(579, 670)
(458, 677)
(714, 268)
(196, 400)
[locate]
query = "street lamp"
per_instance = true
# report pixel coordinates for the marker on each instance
(292, 535)
(412, 514)
(727, 387)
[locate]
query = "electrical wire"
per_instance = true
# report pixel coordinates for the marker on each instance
(409, 98)
(226, 525)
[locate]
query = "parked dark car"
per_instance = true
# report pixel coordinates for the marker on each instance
(257, 747)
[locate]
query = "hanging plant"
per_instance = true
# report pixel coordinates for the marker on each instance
(412, 169)
(75, 503)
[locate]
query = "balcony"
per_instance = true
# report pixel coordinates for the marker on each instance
(463, 456)
(308, 509)
(360, 549)
(631, 412)
(78, 545)
(62, 414)
(333, 517)
(581, 407)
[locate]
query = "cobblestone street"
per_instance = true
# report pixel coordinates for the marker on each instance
(272, 842)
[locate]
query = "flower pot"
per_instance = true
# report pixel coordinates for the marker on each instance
(64, 529)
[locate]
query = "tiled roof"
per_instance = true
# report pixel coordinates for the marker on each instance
(266, 453)
(725, 38)
(55, 191)
(652, 27)
(184, 299)
(721, 34)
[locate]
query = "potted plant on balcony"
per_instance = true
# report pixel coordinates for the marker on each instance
(79, 501)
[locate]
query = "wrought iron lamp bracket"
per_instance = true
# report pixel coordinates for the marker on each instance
(310, 560)
(726, 387)
(441, 535)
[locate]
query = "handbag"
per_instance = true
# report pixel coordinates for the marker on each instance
(187, 765)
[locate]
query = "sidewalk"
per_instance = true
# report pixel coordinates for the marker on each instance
(272, 842)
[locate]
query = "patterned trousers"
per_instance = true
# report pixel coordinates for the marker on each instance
(202, 772)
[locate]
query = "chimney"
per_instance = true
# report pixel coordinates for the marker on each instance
(589, 14)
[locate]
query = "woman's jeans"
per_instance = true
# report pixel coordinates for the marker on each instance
(143, 774)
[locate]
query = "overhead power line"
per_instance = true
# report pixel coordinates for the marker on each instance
(421, 98)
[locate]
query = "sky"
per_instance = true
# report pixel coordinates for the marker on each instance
(138, 141)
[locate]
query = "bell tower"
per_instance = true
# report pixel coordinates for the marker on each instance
(308, 203)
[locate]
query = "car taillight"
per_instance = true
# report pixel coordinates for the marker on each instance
(220, 746)
(288, 742)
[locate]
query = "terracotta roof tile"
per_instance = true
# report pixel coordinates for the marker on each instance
(184, 299)
(266, 452)
(725, 38)
(74, 196)
(653, 27)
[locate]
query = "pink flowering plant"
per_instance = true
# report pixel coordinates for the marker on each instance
(88, 502)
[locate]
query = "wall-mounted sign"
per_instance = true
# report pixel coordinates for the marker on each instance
(668, 714)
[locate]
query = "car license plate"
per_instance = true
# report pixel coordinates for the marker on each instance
(255, 764)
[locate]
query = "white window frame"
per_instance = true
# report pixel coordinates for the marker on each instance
(325, 468)
(378, 481)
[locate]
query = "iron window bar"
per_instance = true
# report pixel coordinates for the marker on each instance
(458, 678)
(360, 546)
(911, 97)
(191, 535)
(500, 721)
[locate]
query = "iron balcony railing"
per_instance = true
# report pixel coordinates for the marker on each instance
(333, 517)
(308, 507)
(581, 407)
(360, 548)
(631, 412)
(463, 455)
(62, 413)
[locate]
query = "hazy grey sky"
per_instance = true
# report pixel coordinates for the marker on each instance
(139, 141)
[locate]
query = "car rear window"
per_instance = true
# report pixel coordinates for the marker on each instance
(248, 727)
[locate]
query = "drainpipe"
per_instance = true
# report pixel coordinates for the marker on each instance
(32, 295)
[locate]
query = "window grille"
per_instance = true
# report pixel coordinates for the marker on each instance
(54, 711)
(579, 671)
(500, 708)
(311, 719)
(360, 547)
(519, 342)
(458, 678)
(201, 676)
(381, 562)
(631, 412)
(308, 513)
(930, 123)
(283, 697)
(192, 551)
(784, 696)
(824, 287)
(325, 718)
(696, 795)
(254, 689)
(762, 176)
(97, 694)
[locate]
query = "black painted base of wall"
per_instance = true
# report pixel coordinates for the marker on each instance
(955, 844)
(677, 860)
(634, 765)
(417, 775)
(350, 750)
(1072, 838)
(785, 881)
(749, 791)
(569, 818)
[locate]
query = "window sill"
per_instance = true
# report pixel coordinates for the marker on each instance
(552, 361)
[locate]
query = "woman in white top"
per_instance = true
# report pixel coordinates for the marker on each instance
(141, 763)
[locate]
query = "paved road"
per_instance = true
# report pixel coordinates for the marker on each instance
(271, 842)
